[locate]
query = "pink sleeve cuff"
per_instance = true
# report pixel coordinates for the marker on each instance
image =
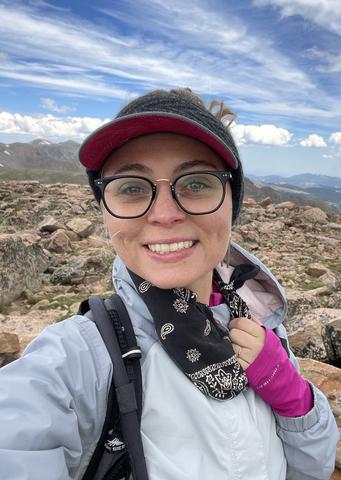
(275, 379)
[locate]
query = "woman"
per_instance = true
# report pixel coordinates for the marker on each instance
(221, 398)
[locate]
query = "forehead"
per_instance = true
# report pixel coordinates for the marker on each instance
(162, 150)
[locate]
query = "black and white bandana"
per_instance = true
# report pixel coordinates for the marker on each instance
(191, 337)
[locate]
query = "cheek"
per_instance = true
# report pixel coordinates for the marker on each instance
(123, 234)
(115, 229)
(221, 225)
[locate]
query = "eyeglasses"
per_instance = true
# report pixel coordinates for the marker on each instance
(131, 196)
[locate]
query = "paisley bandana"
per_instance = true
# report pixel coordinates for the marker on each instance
(191, 337)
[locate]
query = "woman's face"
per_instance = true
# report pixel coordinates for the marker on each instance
(160, 156)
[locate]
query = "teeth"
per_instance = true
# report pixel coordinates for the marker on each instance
(169, 247)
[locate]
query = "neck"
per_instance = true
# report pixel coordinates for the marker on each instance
(203, 288)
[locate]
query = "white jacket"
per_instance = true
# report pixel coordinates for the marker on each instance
(53, 402)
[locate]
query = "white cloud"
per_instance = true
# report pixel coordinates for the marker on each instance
(48, 126)
(50, 104)
(325, 13)
(335, 138)
(261, 134)
(313, 140)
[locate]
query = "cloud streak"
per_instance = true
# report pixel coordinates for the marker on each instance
(325, 13)
(50, 104)
(108, 64)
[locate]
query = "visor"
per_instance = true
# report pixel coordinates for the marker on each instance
(98, 146)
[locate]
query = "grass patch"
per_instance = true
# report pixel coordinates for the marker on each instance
(315, 283)
(4, 309)
(334, 265)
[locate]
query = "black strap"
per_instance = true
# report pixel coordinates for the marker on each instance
(131, 352)
(124, 389)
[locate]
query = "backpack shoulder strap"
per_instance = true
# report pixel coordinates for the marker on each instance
(114, 325)
(131, 352)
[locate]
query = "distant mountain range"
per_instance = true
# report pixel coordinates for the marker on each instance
(306, 185)
(41, 154)
(42, 160)
(304, 180)
(58, 162)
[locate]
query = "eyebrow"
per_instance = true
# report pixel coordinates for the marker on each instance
(133, 166)
(180, 168)
(195, 163)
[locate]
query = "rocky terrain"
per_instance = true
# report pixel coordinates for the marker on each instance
(54, 253)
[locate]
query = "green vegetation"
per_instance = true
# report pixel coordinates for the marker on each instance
(4, 309)
(314, 283)
(43, 176)
(334, 265)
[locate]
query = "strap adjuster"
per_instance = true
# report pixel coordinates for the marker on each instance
(134, 352)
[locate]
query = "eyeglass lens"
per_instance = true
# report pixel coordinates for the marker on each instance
(196, 193)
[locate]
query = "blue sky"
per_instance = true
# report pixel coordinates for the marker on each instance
(67, 67)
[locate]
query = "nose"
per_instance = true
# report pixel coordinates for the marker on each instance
(164, 209)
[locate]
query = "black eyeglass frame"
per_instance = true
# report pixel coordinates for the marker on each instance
(223, 176)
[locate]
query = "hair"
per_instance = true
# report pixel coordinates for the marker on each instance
(222, 113)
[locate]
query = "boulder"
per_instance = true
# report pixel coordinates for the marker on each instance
(20, 268)
(59, 242)
(309, 334)
(249, 202)
(49, 224)
(328, 379)
(314, 215)
(289, 205)
(299, 302)
(73, 236)
(81, 226)
(9, 343)
(316, 270)
(70, 274)
(329, 280)
(265, 202)
(331, 336)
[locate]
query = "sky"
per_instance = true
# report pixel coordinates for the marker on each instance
(67, 67)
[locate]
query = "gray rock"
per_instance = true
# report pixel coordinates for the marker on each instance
(81, 226)
(316, 270)
(314, 215)
(331, 335)
(49, 224)
(21, 267)
(70, 274)
(309, 334)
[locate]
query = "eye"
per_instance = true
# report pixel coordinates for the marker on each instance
(132, 189)
(195, 185)
(128, 189)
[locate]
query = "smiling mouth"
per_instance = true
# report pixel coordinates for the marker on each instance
(163, 248)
